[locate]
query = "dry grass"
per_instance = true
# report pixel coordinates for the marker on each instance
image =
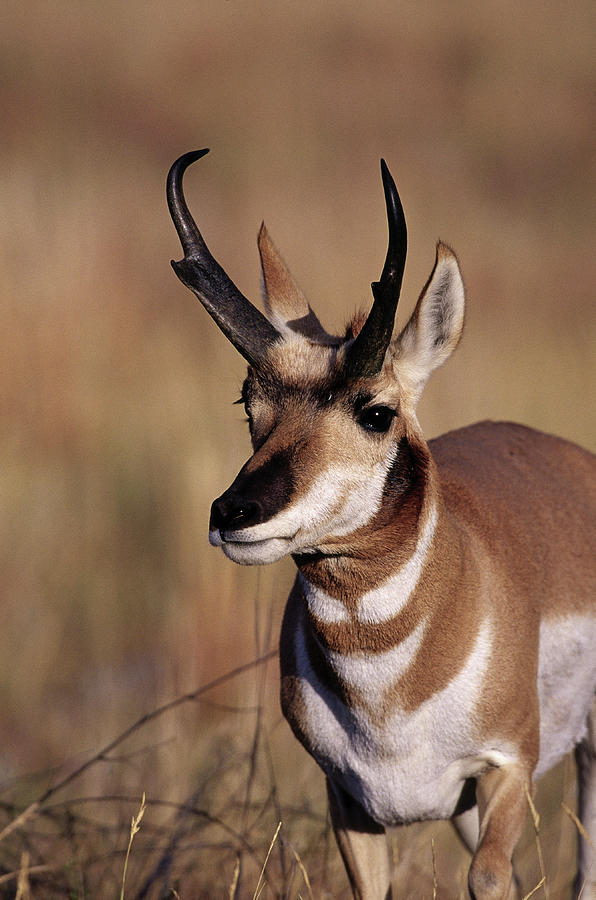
(75, 843)
(116, 390)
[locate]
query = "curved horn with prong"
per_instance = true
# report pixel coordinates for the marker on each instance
(241, 322)
(365, 356)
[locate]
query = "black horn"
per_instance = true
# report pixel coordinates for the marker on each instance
(365, 356)
(241, 322)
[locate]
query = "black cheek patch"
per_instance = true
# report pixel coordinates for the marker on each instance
(403, 474)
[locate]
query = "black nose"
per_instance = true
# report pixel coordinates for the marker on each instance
(231, 512)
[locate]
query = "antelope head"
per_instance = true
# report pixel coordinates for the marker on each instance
(337, 447)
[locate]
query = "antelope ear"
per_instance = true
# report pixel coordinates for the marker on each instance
(286, 306)
(436, 325)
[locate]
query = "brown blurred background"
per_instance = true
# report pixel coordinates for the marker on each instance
(117, 421)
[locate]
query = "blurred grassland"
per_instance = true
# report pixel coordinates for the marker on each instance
(116, 389)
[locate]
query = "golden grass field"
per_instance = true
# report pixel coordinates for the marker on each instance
(117, 390)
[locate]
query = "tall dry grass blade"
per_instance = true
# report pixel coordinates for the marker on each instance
(435, 884)
(234, 882)
(578, 824)
(303, 872)
(536, 822)
(258, 729)
(23, 889)
(260, 882)
(135, 826)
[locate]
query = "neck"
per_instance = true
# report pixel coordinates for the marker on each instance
(393, 599)
(349, 567)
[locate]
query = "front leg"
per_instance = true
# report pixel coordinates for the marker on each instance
(502, 807)
(362, 844)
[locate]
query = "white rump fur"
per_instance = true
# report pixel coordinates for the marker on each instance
(435, 327)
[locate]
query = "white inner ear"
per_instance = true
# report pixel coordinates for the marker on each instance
(436, 325)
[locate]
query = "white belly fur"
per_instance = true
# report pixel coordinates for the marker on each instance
(566, 684)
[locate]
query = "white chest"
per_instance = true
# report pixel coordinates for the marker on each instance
(408, 765)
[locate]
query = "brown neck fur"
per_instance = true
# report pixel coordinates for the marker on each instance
(349, 566)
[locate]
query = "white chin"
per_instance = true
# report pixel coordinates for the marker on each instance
(256, 553)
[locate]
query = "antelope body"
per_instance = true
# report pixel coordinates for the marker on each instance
(438, 649)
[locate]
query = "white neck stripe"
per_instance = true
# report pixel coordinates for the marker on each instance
(381, 603)
(372, 675)
(385, 602)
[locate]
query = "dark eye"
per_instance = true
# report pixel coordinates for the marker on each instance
(376, 418)
(243, 400)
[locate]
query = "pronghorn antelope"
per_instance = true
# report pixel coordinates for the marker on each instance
(438, 649)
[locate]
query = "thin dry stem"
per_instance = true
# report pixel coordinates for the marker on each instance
(20, 820)
(234, 882)
(578, 825)
(260, 882)
(104, 754)
(32, 870)
(135, 826)
(23, 890)
(541, 883)
(303, 871)
(536, 821)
